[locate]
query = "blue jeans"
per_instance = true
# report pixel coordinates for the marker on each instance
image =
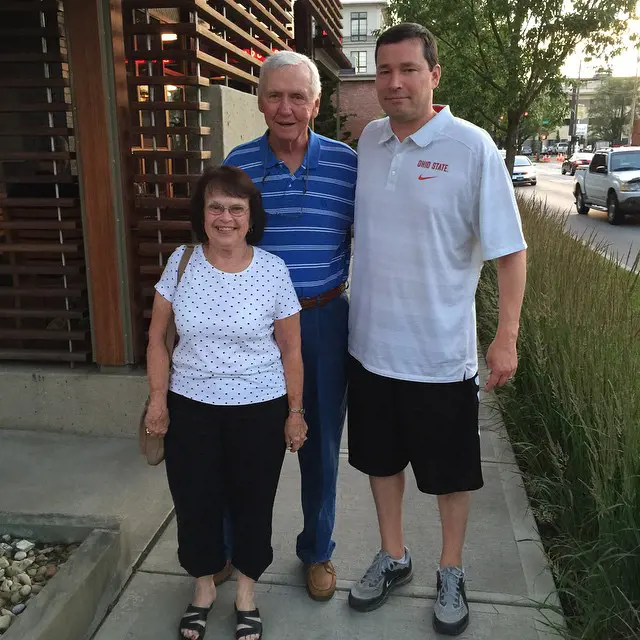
(324, 354)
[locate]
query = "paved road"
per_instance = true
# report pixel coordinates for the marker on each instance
(557, 190)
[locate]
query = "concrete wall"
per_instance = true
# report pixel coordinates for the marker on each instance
(359, 101)
(234, 118)
(85, 402)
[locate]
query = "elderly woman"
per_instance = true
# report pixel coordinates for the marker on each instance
(230, 399)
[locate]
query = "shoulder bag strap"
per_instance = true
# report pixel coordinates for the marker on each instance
(170, 337)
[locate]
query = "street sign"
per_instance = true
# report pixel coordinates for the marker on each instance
(581, 129)
(545, 122)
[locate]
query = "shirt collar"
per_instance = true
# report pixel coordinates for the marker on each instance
(312, 155)
(423, 136)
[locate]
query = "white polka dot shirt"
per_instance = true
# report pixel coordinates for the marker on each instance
(227, 353)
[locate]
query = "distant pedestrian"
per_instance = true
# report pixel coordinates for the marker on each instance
(433, 201)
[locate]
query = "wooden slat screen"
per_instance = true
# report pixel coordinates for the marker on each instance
(44, 313)
(328, 14)
(177, 49)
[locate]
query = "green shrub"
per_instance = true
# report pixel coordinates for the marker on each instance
(573, 413)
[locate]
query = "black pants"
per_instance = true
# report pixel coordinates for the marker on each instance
(224, 457)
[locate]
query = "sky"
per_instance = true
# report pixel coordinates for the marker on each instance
(623, 65)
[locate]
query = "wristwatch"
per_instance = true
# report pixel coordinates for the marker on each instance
(301, 411)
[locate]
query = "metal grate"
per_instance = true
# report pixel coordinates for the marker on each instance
(44, 312)
(175, 51)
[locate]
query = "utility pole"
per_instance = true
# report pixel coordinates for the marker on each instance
(632, 117)
(573, 122)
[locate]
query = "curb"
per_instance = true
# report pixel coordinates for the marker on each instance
(76, 599)
(535, 565)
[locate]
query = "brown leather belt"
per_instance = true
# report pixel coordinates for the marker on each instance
(323, 298)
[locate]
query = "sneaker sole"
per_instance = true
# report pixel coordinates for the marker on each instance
(448, 628)
(364, 606)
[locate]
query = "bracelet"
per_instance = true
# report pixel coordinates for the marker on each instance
(300, 411)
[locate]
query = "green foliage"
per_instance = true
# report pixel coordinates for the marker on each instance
(573, 415)
(514, 49)
(546, 113)
(610, 109)
(325, 123)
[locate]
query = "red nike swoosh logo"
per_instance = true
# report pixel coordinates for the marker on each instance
(421, 177)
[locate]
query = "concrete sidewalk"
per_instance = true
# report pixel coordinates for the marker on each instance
(506, 571)
(505, 567)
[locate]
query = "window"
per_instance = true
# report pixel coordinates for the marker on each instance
(359, 61)
(358, 26)
(625, 161)
(599, 160)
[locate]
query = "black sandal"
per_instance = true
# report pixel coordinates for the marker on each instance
(248, 623)
(194, 619)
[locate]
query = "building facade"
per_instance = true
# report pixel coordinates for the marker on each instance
(110, 111)
(359, 105)
(361, 20)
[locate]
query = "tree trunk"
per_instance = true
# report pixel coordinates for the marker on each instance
(513, 121)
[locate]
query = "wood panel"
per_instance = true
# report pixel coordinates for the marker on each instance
(92, 126)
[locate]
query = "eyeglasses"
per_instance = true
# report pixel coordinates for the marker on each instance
(236, 210)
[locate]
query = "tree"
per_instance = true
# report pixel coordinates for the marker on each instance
(515, 49)
(547, 112)
(326, 122)
(610, 109)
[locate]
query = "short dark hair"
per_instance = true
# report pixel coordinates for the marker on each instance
(411, 31)
(232, 182)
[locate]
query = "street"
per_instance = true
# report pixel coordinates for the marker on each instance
(558, 192)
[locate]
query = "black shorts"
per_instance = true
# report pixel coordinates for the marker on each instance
(432, 426)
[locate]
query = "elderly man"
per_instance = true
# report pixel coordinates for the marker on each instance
(308, 188)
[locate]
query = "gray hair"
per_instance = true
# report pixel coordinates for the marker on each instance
(289, 59)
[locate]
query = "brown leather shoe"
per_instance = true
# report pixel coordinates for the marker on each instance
(321, 580)
(223, 575)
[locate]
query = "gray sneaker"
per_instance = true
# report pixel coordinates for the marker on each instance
(384, 574)
(451, 610)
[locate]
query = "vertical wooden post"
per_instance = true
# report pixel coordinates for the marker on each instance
(101, 115)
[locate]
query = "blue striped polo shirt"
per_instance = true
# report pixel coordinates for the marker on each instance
(310, 213)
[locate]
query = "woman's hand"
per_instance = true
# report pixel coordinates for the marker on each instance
(156, 421)
(295, 432)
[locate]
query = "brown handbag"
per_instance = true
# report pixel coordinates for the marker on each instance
(152, 447)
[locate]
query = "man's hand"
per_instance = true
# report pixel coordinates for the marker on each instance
(502, 360)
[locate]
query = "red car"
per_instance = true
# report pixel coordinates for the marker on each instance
(576, 160)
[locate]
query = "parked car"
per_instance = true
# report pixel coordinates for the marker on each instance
(611, 183)
(562, 148)
(576, 160)
(523, 171)
(527, 151)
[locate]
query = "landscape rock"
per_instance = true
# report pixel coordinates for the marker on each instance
(25, 545)
(20, 555)
(23, 578)
(18, 609)
(5, 622)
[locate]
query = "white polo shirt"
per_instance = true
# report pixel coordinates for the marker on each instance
(428, 212)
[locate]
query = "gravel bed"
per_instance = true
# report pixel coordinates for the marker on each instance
(25, 568)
